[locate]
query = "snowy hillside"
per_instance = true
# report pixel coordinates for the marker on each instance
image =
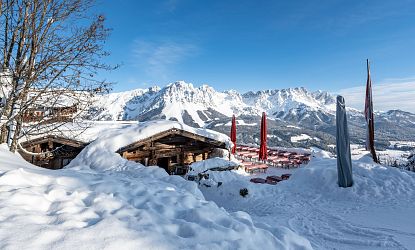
(116, 209)
(376, 213)
(103, 201)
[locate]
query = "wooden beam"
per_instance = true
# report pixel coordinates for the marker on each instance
(56, 139)
(172, 132)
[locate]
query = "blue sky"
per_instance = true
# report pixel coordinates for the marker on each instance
(253, 45)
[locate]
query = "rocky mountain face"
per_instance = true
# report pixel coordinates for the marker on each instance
(297, 117)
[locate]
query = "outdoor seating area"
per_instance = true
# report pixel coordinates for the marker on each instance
(251, 167)
(277, 158)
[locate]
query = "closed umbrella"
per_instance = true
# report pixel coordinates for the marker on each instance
(344, 160)
(233, 134)
(263, 147)
(370, 122)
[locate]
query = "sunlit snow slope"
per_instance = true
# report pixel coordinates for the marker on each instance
(125, 207)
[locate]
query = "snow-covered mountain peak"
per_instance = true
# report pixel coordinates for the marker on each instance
(182, 92)
(154, 89)
(284, 100)
(198, 106)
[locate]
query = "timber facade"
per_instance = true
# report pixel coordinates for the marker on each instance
(173, 150)
(49, 115)
(50, 152)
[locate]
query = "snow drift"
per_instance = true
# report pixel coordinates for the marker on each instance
(103, 201)
(376, 212)
(100, 154)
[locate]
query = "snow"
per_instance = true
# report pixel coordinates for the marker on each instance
(388, 156)
(88, 131)
(176, 110)
(123, 105)
(85, 131)
(316, 139)
(202, 166)
(241, 123)
(102, 201)
(135, 208)
(399, 144)
(179, 97)
(301, 137)
(102, 150)
(376, 213)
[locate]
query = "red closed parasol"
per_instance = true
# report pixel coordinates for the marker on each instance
(233, 134)
(263, 155)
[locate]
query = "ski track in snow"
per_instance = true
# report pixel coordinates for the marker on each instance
(323, 229)
(326, 221)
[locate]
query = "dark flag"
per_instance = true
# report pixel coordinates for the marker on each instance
(233, 134)
(344, 159)
(263, 155)
(370, 129)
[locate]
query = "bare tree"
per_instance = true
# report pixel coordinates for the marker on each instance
(51, 53)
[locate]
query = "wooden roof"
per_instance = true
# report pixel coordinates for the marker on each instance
(54, 138)
(174, 131)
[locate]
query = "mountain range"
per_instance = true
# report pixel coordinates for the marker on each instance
(296, 116)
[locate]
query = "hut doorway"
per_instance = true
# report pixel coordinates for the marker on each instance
(164, 163)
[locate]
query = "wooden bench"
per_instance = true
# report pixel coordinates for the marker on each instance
(258, 180)
(254, 168)
(273, 179)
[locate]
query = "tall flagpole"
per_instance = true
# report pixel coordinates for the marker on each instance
(370, 126)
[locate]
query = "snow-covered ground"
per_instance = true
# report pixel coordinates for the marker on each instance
(240, 123)
(376, 213)
(387, 157)
(400, 144)
(301, 137)
(104, 201)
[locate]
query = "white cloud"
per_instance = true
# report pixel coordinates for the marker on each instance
(158, 60)
(386, 96)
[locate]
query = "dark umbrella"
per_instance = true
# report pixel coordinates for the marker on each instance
(263, 148)
(370, 123)
(233, 134)
(344, 160)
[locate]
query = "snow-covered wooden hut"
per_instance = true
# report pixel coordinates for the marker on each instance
(174, 146)
(50, 151)
(168, 144)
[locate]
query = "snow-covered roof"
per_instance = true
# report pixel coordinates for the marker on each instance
(130, 131)
(109, 141)
(160, 128)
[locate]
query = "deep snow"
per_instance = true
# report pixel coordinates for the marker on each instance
(377, 212)
(102, 201)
